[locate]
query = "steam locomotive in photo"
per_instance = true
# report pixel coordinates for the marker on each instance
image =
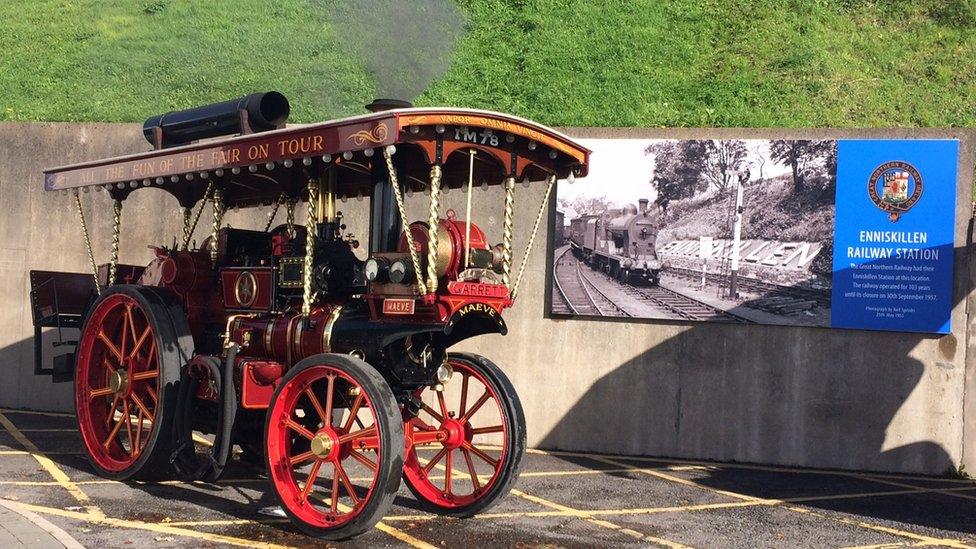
(622, 246)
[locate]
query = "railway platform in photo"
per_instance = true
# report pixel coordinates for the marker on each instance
(562, 499)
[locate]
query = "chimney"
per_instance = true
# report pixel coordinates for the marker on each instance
(642, 208)
(379, 105)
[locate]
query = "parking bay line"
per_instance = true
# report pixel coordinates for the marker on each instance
(946, 542)
(161, 528)
(569, 511)
(51, 468)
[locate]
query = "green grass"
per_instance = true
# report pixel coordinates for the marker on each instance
(790, 63)
(124, 60)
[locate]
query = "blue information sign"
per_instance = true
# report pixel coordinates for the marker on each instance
(893, 235)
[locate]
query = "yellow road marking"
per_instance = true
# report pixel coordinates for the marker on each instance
(679, 480)
(148, 526)
(861, 524)
(51, 468)
(713, 465)
(585, 515)
(35, 413)
(924, 540)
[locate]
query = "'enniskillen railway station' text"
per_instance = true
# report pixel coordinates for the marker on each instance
(892, 237)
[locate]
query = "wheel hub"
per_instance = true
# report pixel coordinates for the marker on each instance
(457, 433)
(118, 382)
(325, 444)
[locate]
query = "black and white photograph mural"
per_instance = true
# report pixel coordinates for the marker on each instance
(723, 230)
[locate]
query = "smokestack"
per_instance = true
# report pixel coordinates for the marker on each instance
(642, 205)
(379, 105)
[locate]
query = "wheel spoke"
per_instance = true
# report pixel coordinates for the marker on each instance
(312, 475)
(302, 458)
(486, 430)
(477, 405)
(334, 506)
(132, 330)
(137, 346)
(152, 394)
(125, 332)
(433, 413)
(143, 376)
(142, 407)
(363, 459)
(138, 443)
(464, 392)
(478, 452)
(300, 429)
(341, 473)
(111, 411)
(437, 457)
(362, 433)
(440, 400)
(111, 346)
(115, 430)
(471, 470)
(448, 466)
(127, 418)
(354, 411)
(95, 393)
(315, 403)
(328, 401)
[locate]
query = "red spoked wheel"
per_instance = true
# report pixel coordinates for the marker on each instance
(465, 447)
(122, 400)
(334, 446)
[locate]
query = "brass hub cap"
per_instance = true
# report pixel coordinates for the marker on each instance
(321, 445)
(117, 382)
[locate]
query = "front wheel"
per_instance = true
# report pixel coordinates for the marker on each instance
(464, 448)
(334, 446)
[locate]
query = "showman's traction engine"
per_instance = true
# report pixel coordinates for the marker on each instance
(332, 371)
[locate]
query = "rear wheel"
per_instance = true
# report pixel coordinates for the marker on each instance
(465, 447)
(334, 446)
(127, 357)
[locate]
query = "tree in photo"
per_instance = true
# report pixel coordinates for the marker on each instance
(723, 159)
(677, 170)
(803, 157)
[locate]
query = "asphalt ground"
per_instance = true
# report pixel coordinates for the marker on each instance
(562, 499)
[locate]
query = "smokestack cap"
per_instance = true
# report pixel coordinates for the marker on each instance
(379, 105)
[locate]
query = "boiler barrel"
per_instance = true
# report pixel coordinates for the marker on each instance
(265, 111)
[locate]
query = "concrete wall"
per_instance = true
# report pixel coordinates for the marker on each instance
(768, 394)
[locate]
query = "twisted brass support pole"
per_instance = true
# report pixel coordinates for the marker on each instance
(203, 202)
(274, 211)
(187, 217)
(88, 244)
(113, 262)
(507, 231)
(535, 229)
(290, 219)
(414, 258)
(218, 215)
(310, 219)
(433, 219)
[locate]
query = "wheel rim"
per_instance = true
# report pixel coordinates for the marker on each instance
(309, 434)
(462, 431)
(117, 388)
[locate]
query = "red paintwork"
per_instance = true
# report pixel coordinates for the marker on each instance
(106, 345)
(453, 429)
(282, 437)
(259, 379)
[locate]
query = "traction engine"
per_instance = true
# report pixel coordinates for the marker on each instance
(332, 373)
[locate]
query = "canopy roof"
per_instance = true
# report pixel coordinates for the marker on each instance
(256, 168)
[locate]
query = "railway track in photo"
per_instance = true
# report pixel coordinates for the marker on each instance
(576, 294)
(582, 291)
(682, 306)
